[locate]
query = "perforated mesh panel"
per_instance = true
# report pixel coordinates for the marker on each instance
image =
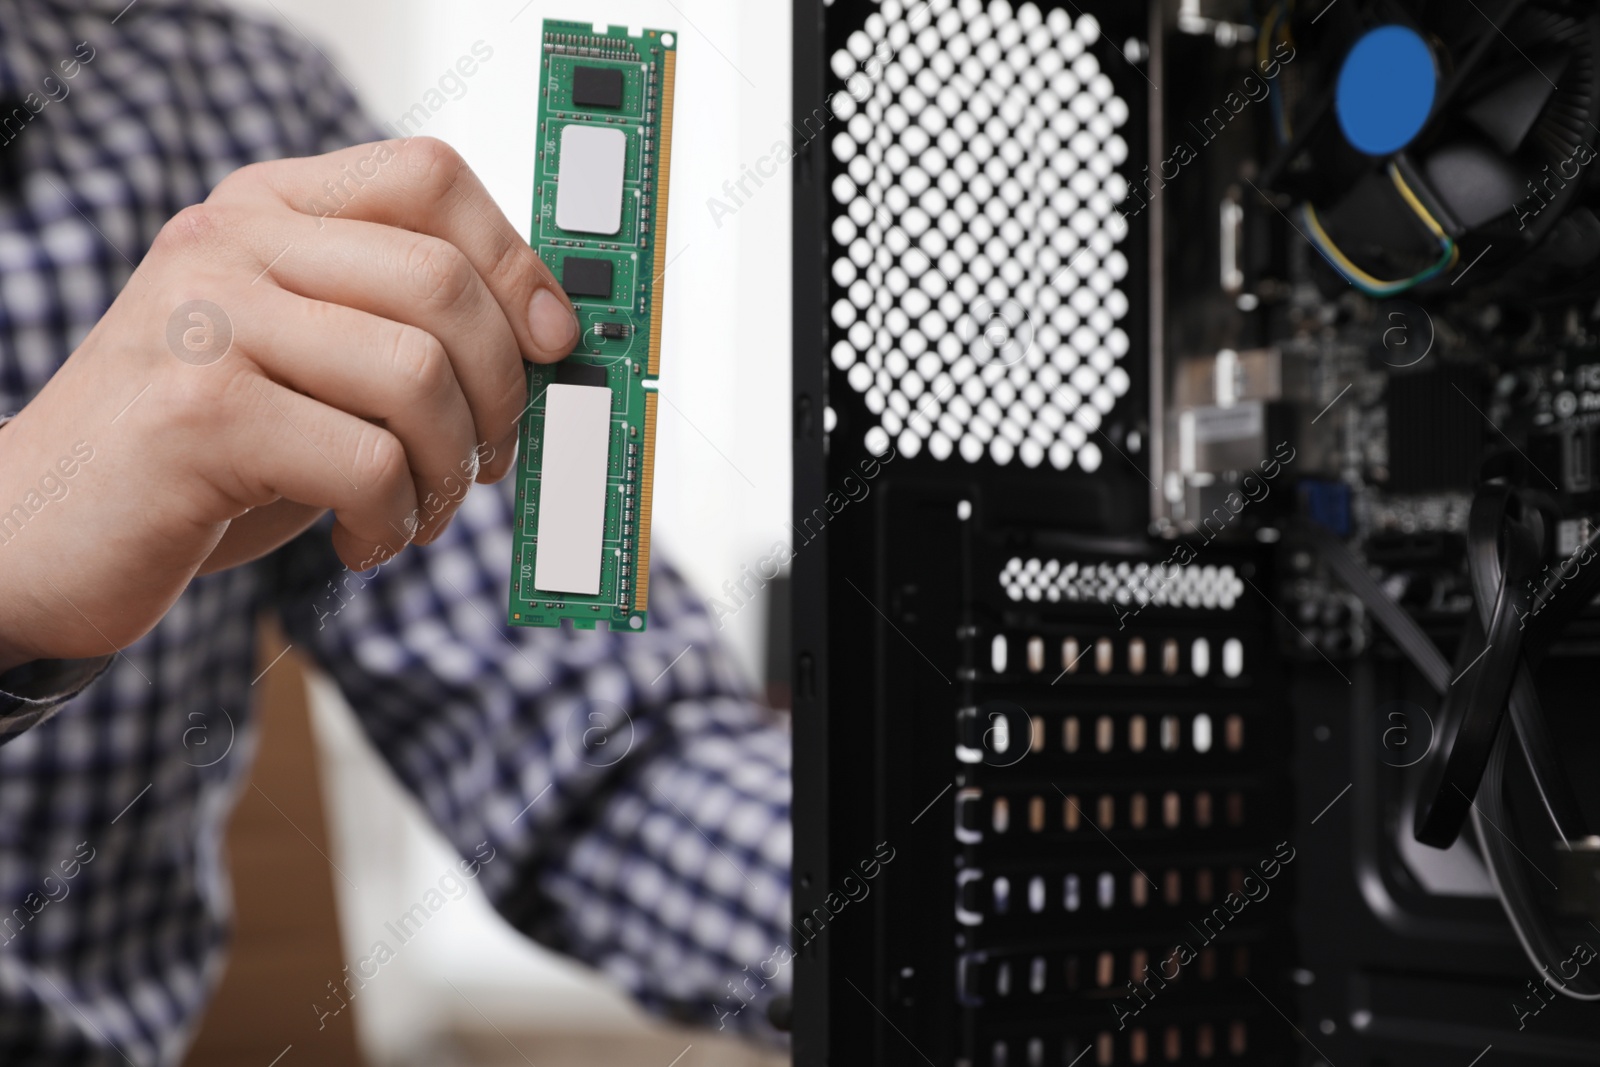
(976, 172)
(1122, 583)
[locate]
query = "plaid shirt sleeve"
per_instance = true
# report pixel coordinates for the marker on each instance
(32, 692)
(636, 794)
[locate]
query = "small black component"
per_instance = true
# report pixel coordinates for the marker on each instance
(597, 87)
(570, 372)
(613, 331)
(582, 276)
(1435, 440)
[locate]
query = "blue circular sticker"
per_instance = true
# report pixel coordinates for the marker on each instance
(1386, 90)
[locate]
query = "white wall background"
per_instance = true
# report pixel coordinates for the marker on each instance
(722, 478)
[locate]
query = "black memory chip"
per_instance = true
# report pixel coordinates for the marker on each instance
(597, 87)
(571, 372)
(582, 276)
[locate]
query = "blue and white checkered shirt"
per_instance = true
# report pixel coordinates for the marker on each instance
(656, 848)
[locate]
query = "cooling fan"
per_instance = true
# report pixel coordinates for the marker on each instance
(1445, 142)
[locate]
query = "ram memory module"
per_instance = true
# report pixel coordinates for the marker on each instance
(587, 461)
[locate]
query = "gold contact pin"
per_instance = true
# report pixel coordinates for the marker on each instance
(647, 477)
(669, 64)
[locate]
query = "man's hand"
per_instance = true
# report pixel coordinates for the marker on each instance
(344, 332)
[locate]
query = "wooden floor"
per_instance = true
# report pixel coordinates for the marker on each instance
(286, 948)
(671, 1049)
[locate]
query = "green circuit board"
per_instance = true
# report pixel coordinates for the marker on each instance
(587, 459)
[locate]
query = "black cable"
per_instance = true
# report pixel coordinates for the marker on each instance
(1504, 548)
(1447, 796)
(1489, 554)
(1466, 775)
(1533, 732)
(1420, 650)
(1491, 818)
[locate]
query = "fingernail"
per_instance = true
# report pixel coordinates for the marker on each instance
(555, 328)
(499, 461)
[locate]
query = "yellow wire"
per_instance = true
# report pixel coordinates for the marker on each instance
(1269, 29)
(1344, 261)
(1416, 204)
(1422, 212)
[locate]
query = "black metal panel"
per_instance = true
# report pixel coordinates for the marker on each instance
(1142, 797)
(1402, 966)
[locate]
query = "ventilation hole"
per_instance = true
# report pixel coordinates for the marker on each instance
(1036, 814)
(1172, 888)
(1103, 655)
(1138, 811)
(1105, 969)
(1036, 893)
(1241, 962)
(1069, 655)
(1000, 815)
(1035, 734)
(1105, 1049)
(1169, 656)
(1035, 654)
(998, 736)
(1232, 657)
(1136, 656)
(1071, 897)
(1053, 580)
(995, 107)
(1002, 986)
(1200, 657)
(1208, 964)
(1107, 812)
(1235, 806)
(1069, 733)
(1138, 889)
(1138, 1047)
(1136, 733)
(1171, 810)
(1038, 972)
(1202, 809)
(1233, 732)
(1238, 1043)
(1205, 1042)
(1169, 733)
(1105, 732)
(1202, 732)
(1002, 895)
(1070, 813)
(1203, 885)
(1106, 890)
(1173, 1044)
(997, 654)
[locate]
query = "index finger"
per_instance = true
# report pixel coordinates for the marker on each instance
(422, 184)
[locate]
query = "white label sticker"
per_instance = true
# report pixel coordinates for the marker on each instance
(572, 488)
